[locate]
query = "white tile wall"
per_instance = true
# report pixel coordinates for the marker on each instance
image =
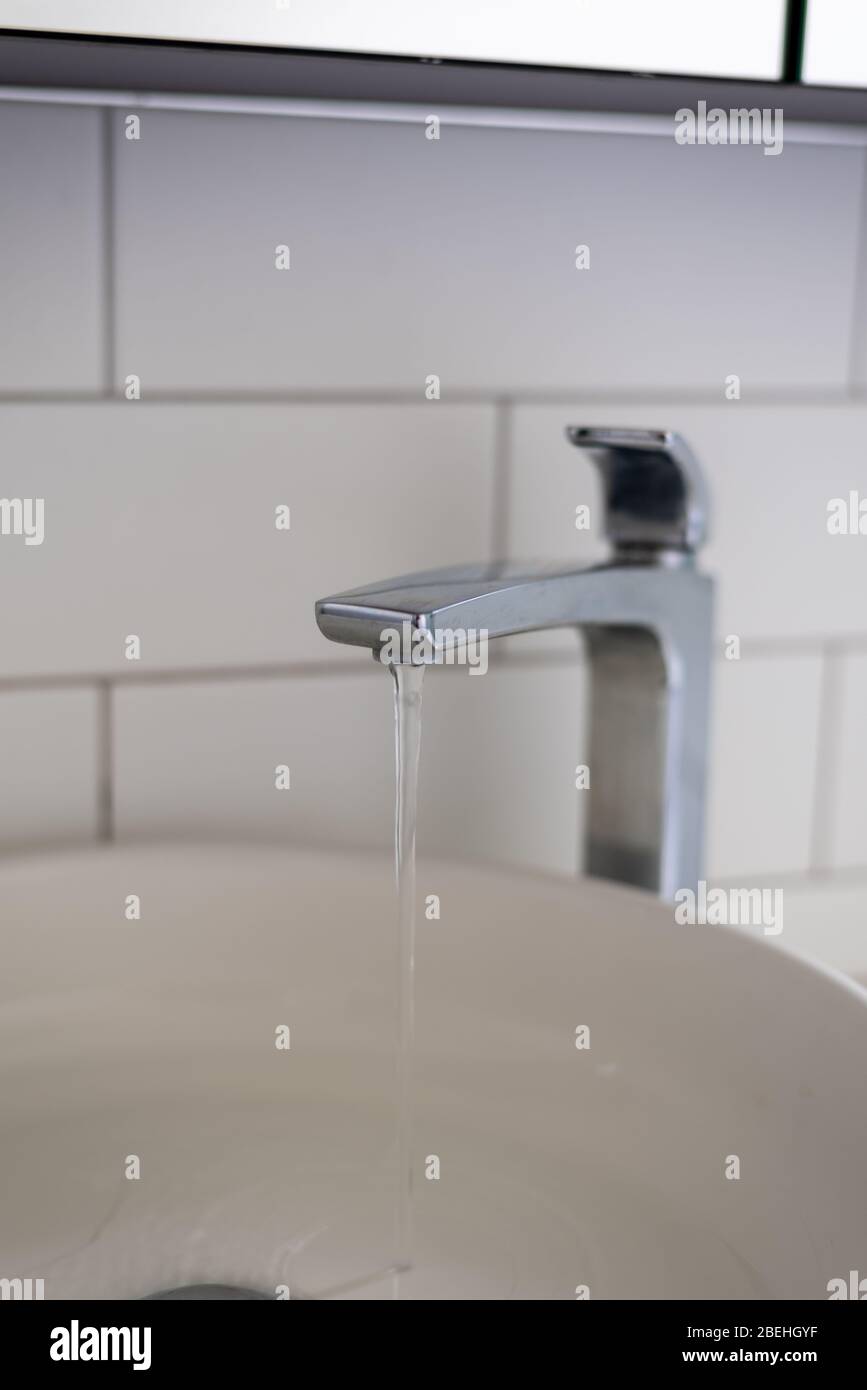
(411, 257)
(159, 521)
(48, 754)
(848, 809)
(198, 760)
(457, 257)
(763, 764)
(499, 755)
(498, 765)
(51, 249)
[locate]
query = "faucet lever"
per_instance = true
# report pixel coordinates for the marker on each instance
(655, 494)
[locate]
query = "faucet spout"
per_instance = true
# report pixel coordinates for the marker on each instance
(646, 616)
(500, 600)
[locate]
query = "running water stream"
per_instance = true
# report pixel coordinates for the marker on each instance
(407, 727)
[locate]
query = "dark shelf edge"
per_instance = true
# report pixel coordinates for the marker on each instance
(98, 64)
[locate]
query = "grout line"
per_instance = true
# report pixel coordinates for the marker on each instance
(54, 397)
(827, 761)
(751, 649)
(510, 656)
(852, 876)
(857, 340)
(811, 644)
(502, 479)
(105, 762)
(791, 397)
(187, 675)
(109, 263)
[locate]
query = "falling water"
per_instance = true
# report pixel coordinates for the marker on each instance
(407, 726)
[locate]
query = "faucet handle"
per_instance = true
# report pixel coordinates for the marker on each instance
(655, 493)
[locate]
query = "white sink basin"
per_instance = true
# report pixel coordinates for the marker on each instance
(561, 1169)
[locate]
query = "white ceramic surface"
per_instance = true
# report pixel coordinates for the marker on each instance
(559, 1167)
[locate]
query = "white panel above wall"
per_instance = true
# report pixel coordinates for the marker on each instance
(160, 522)
(743, 39)
(51, 248)
(457, 257)
(835, 44)
(772, 471)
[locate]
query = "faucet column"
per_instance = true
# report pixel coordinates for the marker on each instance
(650, 681)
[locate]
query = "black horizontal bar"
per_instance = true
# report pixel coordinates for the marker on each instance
(29, 59)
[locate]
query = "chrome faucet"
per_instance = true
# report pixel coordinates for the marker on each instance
(646, 614)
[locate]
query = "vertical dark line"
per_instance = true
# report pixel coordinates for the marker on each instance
(793, 40)
(105, 761)
(501, 478)
(858, 299)
(826, 766)
(109, 290)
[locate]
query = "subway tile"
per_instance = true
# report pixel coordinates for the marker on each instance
(771, 470)
(48, 752)
(498, 763)
(198, 761)
(51, 276)
(497, 768)
(847, 838)
(411, 257)
(765, 721)
(499, 754)
(160, 522)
